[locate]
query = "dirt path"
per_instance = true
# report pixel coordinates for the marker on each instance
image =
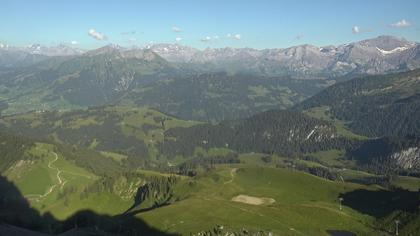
(37, 197)
(61, 181)
(232, 176)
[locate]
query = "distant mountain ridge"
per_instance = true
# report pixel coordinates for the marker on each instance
(378, 55)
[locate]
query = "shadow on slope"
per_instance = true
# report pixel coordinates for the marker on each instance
(382, 202)
(15, 210)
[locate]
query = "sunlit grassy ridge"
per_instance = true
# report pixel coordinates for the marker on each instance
(303, 205)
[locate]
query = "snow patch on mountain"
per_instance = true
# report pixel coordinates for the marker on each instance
(397, 49)
(408, 158)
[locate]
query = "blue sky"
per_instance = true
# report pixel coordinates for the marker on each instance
(205, 23)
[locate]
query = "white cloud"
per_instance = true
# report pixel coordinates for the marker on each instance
(355, 29)
(401, 24)
(132, 40)
(176, 29)
(74, 42)
(97, 35)
(206, 39)
(216, 37)
(178, 39)
(234, 36)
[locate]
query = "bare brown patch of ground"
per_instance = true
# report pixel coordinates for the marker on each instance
(253, 200)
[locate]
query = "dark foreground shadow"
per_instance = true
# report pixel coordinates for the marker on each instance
(383, 202)
(340, 233)
(17, 217)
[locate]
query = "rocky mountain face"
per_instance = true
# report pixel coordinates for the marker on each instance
(408, 158)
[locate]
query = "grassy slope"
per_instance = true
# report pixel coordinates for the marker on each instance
(322, 113)
(36, 177)
(304, 204)
(25, 172)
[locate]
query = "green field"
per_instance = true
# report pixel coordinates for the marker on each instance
(304, 204)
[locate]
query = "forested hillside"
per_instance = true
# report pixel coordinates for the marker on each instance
(384, 105)
(389, 155)
(12, 148)
(281, 132)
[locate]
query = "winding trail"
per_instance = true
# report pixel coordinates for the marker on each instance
(232, 176)
(61, 181)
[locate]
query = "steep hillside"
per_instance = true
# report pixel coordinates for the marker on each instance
(12, 148)
(389, 155)
(386, 105)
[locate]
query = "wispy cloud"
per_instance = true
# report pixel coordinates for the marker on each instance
(97, 35)
(74, 42)
(178, 39)
(234, 36)
(400, 24)
(355, 29)
(358, 30)
(206, 39)
(176, 29)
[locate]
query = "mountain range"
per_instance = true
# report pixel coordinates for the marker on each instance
(207, 85)
(372, 56)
